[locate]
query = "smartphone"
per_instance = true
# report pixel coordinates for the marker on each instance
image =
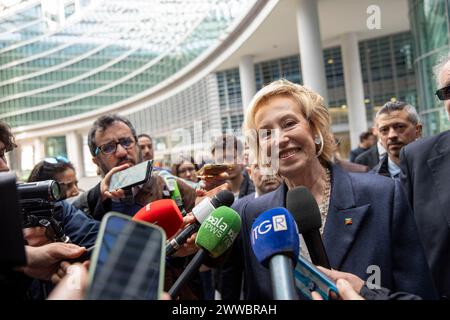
(84, 257)
(308, 279)
(213, 169)
(128, 261)
(131, 176)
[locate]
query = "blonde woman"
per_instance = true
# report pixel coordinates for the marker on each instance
(368, 224)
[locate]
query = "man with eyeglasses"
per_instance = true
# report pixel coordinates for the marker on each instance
(425, 173)
(113, 145)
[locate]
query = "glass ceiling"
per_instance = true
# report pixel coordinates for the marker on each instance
(60, 58)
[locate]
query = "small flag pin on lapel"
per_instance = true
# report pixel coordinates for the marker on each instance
(348, 221)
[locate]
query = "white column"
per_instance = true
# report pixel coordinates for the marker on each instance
(38, 149)
(311, 55)
(74, 149)
(13, 158)
(354, 89)
(247, 78)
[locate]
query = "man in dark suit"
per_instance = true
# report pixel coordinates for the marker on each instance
(366, 140)
(382, 233)
(425, 174)
(398, 125)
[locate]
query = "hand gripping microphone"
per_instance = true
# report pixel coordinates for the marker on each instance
(276, 245)
(214, 237)
(200, 212)
(301, 203)
(164, 213)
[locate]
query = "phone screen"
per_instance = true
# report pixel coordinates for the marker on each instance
(128, 261)
(132, 176)
(212, 169)
(308, 278)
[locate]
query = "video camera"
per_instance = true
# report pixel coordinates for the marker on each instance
(38, 207)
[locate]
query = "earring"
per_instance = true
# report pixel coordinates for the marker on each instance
(317, 139)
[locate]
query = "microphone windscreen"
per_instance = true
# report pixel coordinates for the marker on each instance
(223, 198)
(303, 207)
(218, 231)
(202, 210)
(275, 232)
(164, 213)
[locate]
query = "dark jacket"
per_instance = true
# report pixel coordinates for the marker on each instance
(382, 168)
(382, 233)
(385, 294)
(81, 229)
(425, 175)
(350, 166)
(247, 186)
(369, 158)
(356, 152)
(233, 268)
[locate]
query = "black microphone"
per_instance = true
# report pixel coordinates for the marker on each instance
(200, 212)
(302, 205)
(215, 236)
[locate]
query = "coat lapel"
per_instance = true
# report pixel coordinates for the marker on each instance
(440, 169)
(344, 218)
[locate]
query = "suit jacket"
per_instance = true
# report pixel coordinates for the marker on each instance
(382, 234)
(382, 168)
(369, 158)
(247, 186)
(425, 174)
(231, 275)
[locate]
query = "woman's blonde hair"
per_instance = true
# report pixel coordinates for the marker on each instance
(311, 106)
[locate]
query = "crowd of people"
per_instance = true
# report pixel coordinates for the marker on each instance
(387, 207)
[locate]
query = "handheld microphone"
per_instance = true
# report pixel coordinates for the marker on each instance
(164, 213)
(215, 236)
(301, 203)
(276, 245)
(200, 212)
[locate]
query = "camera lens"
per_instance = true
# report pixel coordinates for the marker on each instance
(55, 190)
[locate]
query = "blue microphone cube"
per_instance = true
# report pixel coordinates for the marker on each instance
(275, 232)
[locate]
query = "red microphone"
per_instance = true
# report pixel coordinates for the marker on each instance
(164, 213)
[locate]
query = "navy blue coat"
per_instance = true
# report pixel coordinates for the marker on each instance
(81, 229)
(382, 233)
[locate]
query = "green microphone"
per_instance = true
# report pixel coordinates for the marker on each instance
(215, 236)
(219, 230)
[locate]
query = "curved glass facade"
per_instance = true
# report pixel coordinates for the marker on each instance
(430, 24)
(80, 55)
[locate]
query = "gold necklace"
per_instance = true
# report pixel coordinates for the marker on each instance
(323, 207)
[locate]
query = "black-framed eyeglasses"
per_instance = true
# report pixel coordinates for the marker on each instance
(443, 93)
(111, 147)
